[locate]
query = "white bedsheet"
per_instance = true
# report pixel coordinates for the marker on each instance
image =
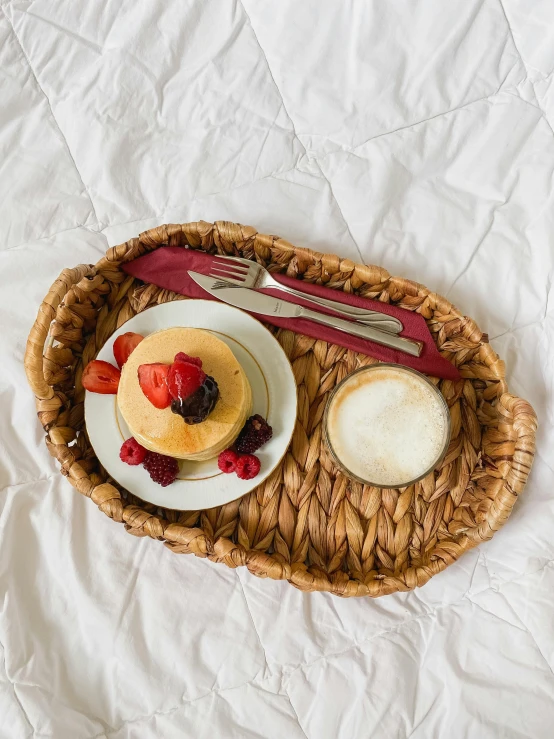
(415, 134)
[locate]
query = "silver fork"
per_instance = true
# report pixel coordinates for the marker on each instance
(238, 272)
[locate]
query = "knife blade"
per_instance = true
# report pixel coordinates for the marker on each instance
(266, 305)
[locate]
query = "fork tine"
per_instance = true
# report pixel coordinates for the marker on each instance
(232, 261)
(222, 273)
(231, 267)
(227, 279)
(228, 257)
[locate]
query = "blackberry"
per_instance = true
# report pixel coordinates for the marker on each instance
(198, 406)
(161, 469)
(256, 433)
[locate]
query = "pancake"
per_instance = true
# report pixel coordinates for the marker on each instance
(161, 430)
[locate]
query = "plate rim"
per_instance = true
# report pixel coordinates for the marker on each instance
(209, 303)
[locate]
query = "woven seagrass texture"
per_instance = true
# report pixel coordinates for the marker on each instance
(308, 523)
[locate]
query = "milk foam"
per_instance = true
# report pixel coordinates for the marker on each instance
(387, 426)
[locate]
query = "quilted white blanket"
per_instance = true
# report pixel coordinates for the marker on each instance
(415, 134)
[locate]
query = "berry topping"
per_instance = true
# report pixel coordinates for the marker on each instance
(153, 383)
(256, 433)
(184, 379)
(198, 406)
(161, 469)
(182, 357)
(101, 377)
(124, 345)
(132, 452)
(227, 461)
(247, 466)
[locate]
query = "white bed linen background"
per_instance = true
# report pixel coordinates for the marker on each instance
(417, 135)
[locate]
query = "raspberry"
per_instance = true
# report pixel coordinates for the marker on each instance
(227, 461)
(247, 466)
(161, 469)
(182, 357)
(256, 433)
(132, 452)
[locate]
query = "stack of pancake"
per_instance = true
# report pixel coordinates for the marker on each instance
(165, 432)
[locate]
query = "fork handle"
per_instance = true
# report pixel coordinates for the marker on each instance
(408, 346)
(368, 317)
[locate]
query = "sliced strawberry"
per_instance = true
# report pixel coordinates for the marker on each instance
(124, 345)
(184, 379)
(182, 357)
(101, 377)
(153, 383)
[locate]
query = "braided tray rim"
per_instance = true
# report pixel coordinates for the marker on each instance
(306, 523)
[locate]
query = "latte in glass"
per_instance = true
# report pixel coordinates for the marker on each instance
(387, 425)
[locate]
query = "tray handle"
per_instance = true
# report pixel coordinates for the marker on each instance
(39, 336)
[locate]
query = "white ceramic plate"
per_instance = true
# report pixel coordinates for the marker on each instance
(201, 484)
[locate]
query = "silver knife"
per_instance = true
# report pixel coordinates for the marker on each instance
(267, 305)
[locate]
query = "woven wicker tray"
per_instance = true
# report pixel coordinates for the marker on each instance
(307, 523)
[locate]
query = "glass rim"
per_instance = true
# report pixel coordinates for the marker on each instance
(401, 368)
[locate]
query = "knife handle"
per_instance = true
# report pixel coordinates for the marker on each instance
(408, 346)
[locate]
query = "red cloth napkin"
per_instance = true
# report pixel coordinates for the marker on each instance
(168, 267)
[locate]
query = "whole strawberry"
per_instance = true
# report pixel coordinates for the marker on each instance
(184, 379)
(182, 357)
